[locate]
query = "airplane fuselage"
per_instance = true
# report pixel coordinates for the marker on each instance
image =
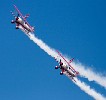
(19, 21)
(66, 68)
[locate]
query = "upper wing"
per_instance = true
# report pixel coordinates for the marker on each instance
(24, 18)
(19, 12)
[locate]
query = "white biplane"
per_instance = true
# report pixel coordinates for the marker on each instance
(66, 67)
(21, 21)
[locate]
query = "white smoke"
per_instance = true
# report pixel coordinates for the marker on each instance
(86, 88)
(42, 45)
(90, 74)
(53, 53)
(89, 91)
(84, 72)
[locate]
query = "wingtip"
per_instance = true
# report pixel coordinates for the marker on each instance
(14, 5)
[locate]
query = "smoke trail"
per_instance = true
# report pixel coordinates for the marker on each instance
(90, 74)
(45, 47)
(87, 73)
(53, 53)
(40, 43)
(82, 85)
(87, 89)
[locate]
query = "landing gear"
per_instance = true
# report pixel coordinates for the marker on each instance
(61, 73)
(17, 27)
(56, 67)
(12, 21)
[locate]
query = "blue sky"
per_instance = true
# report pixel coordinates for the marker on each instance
(75, 27)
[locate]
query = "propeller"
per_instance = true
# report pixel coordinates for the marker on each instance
(12, 14)
(17, 15)
(61, 62)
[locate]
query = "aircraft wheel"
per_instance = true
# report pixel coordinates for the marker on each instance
(12, 21)
(56, 67)
(61, 73)
(17, 27)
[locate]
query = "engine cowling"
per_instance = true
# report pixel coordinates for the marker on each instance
(56, 67)
(17, 18)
